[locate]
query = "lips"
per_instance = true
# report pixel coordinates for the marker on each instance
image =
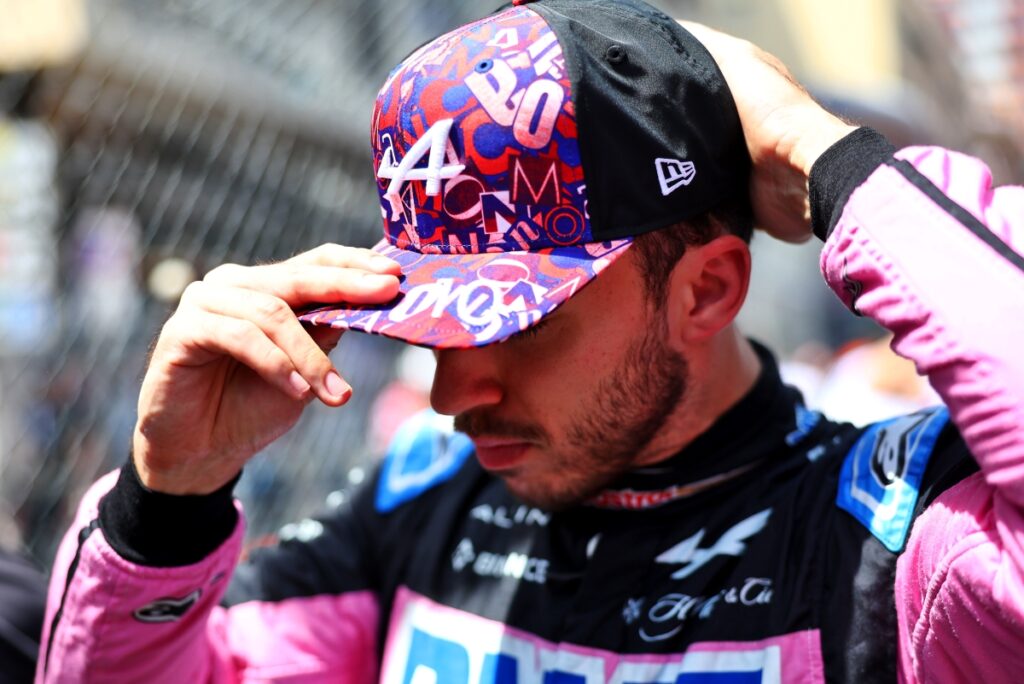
(500, 453)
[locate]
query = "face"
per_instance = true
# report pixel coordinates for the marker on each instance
(562, 410)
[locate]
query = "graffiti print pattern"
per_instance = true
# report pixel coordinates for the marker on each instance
(481, 188)
(505, 88)
(483, 298)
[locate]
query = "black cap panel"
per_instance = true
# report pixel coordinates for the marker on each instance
(660, 138)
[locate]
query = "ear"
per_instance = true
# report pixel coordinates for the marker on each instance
(707, 289)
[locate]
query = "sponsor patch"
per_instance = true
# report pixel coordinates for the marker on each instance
(518, 566)
(733, 542)
(508, 517)
(425, 452)
(167, 609)
(667, 616)
(430, 642)
(881, 476)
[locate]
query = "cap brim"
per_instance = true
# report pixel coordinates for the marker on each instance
(469, 300)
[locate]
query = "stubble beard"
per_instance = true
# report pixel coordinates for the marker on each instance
(610, 432)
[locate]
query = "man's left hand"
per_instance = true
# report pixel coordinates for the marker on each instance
(785, 129)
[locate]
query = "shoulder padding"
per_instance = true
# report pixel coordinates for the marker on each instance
(881, 476)
(425, 452)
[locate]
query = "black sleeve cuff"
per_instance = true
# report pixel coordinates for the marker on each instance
(165, 530)
(839, 171)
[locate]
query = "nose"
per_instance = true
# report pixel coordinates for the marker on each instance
(465, 379)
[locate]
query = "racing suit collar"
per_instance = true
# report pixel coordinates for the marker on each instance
(753, 430)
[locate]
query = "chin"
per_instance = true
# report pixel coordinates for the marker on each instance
(543, 496)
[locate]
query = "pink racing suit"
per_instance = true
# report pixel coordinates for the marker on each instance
(435, 574)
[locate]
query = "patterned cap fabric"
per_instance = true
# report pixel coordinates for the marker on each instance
(481, 174)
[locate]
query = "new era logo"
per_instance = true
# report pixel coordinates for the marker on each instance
(673, 172)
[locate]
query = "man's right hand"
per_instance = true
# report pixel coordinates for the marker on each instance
(233, 368)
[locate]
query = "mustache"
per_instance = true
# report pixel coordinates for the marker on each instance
(476, 424)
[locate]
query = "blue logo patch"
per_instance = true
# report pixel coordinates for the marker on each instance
(805, 421)
(425, 452)
(881, 476)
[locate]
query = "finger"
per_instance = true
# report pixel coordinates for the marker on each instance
(275, 319)
(325, 336)
(300, 284)
(243, 341)
(700, 31)
(348, 257)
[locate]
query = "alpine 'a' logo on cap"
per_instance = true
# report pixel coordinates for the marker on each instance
(435, 141)
(674, 172)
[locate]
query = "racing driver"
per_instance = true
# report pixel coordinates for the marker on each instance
(629, 494)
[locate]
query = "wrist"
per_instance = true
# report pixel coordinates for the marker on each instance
(193, 477)
(156, 529)
(820, 133)
(840, 170)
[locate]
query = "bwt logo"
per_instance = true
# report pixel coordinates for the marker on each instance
(434, 660)
(431, 643)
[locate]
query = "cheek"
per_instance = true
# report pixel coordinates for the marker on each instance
(561, 376)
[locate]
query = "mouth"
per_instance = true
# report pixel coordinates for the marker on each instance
(500, 453)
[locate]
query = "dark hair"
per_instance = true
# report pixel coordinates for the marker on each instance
(660, 250)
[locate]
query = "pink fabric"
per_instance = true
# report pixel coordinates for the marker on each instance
(793, 658)
(956, 309)
(301, 640)
(99, 639)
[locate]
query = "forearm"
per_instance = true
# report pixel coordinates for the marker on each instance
(921, 243)
(130, 599)
(925, 247)
(139, 596)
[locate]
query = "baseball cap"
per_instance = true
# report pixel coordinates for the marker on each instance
(517, 156)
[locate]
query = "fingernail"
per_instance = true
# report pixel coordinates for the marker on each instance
(336, 386)
(378, 279)
(383, 262)
(298, 382)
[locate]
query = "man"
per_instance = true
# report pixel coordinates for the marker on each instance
(633, 495)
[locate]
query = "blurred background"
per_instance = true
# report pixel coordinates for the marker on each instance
(143, 142)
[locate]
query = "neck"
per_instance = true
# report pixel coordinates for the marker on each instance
(721, 372)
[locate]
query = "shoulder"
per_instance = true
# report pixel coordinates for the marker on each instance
(425, 452)
(895, 467)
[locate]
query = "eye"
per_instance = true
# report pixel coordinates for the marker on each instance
(530, 332)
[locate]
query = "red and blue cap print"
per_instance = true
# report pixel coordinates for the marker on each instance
(483, 195)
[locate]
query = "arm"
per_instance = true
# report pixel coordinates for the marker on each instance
(135, 587)
(151, 596)
(111, 619)
(920, 242)
(925, 246)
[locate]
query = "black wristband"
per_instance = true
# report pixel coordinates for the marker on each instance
(165, 530)
(839, 171)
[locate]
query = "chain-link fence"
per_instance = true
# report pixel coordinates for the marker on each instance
(185, 134)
